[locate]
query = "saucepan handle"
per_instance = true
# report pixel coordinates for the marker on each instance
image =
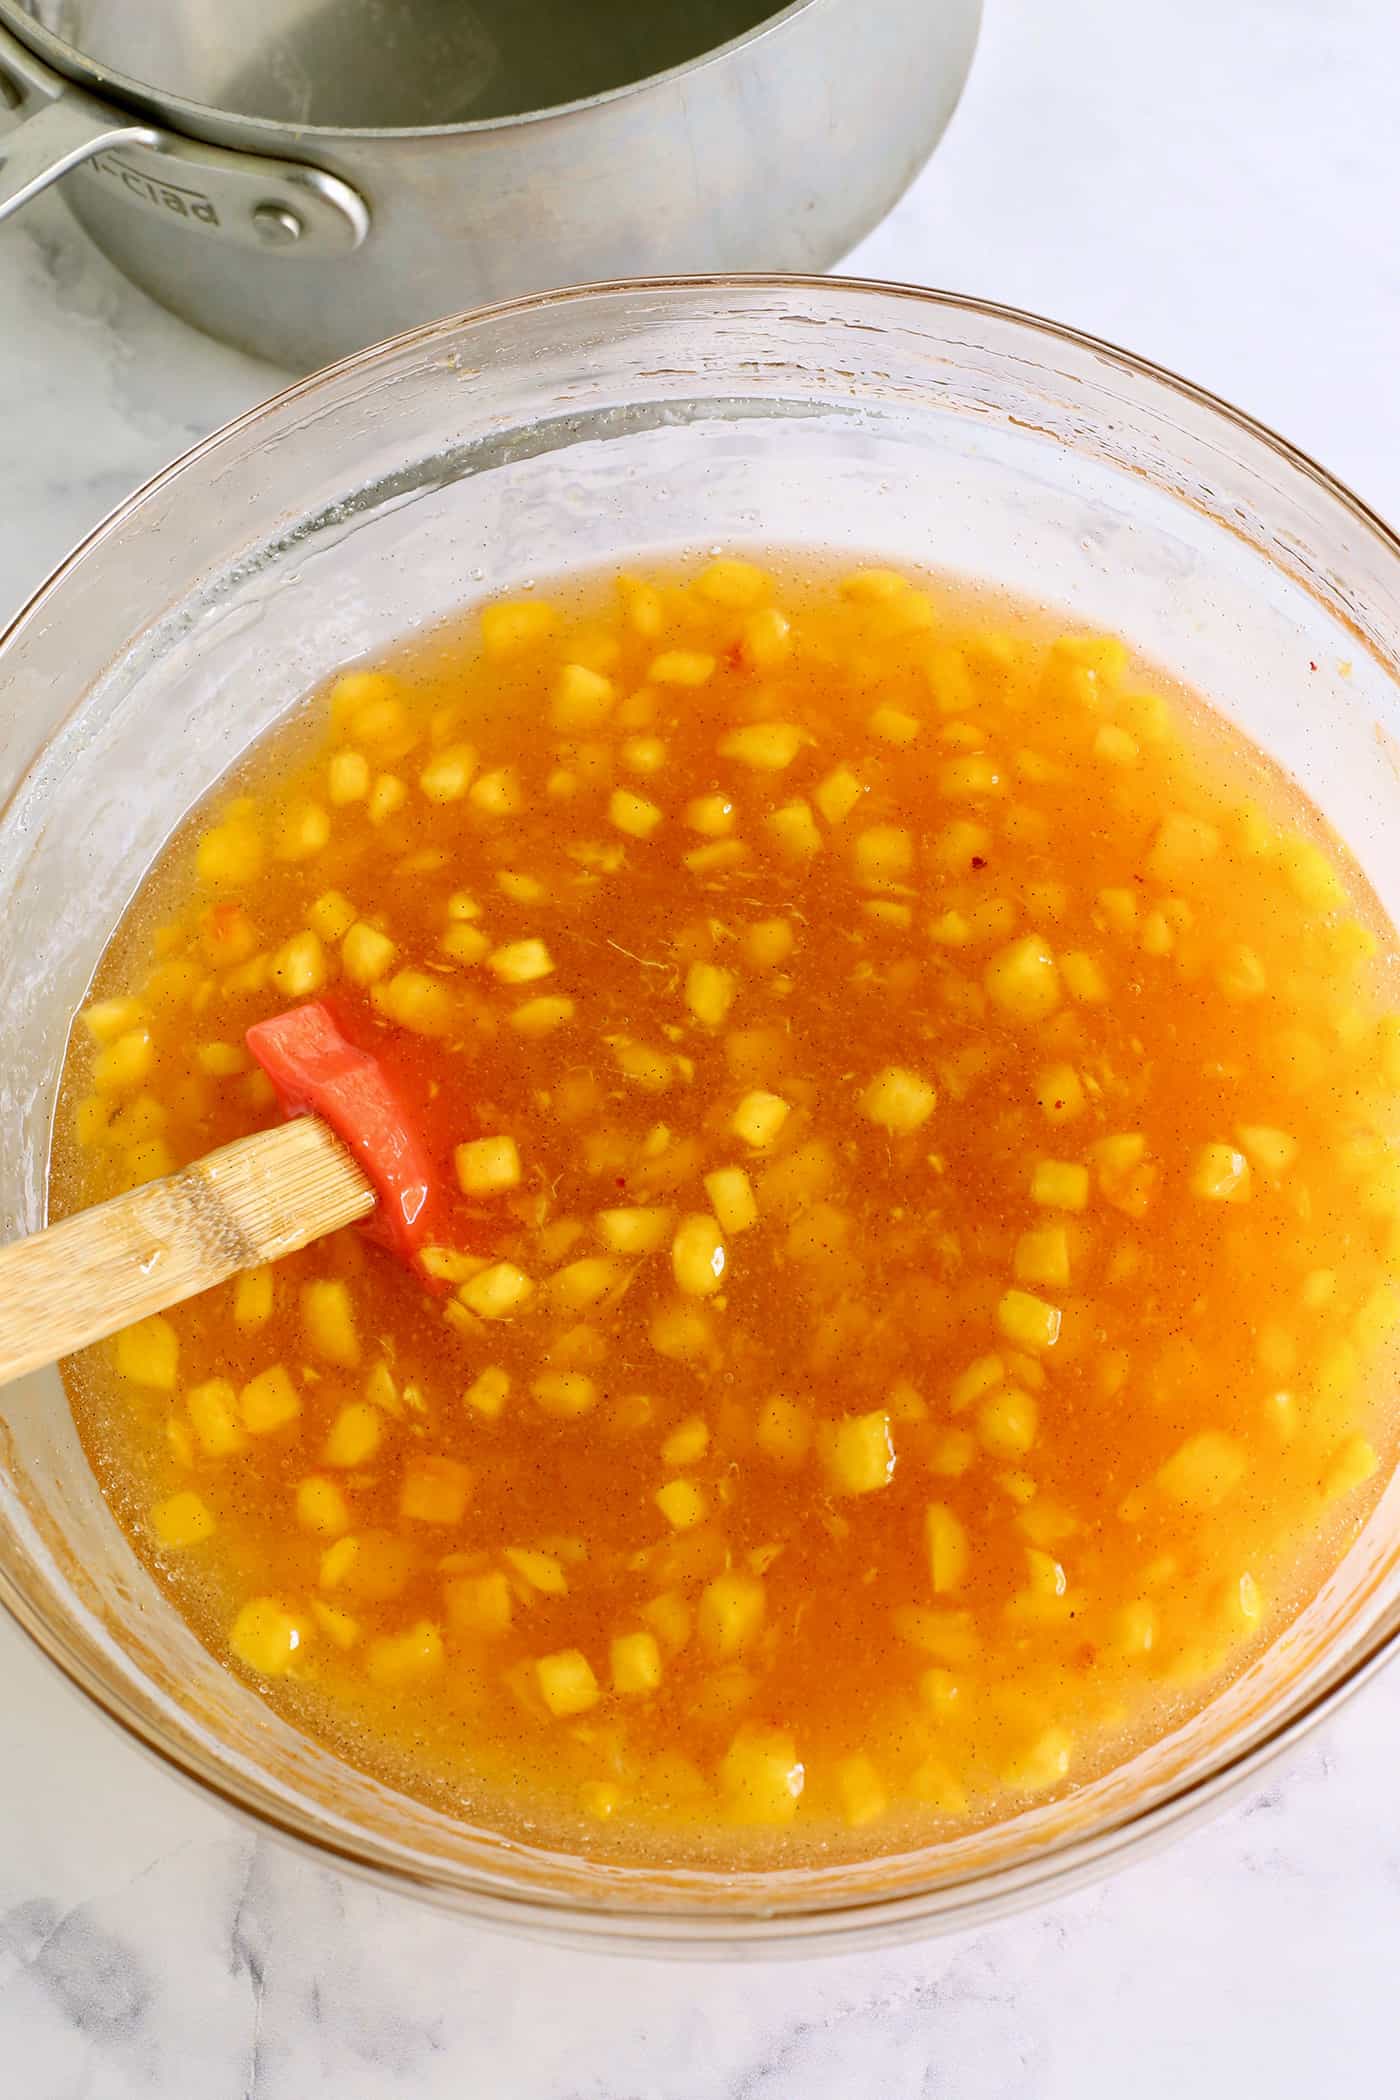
(48, 127)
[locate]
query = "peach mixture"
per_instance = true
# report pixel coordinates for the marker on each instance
(917, 1102)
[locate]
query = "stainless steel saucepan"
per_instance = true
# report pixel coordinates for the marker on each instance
(301, 177)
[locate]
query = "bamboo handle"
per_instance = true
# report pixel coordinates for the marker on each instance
(252, 1201)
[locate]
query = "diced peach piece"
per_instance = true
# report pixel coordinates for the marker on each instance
(698, 1257)
(1183, 846)
(858, 1452)
(1042, 1257)
(566, 1682)
(1028, 1321)
(769, 747)
(1007, 1422)
(1203, 1471)
(269, 1402)
(479, 1607)
(230, 855)
(713, 816)
(341, 1628)
(759, 1119)
(487, 1166)
(635, 1661)
(715, 859)
(213, 1412)
(959, 846)
(948, 1636)
(498, 1292)
(761, 1776)
(634, 1231)
(583, 699)
(566, 1394)
(1272, 1152)
(347, 778)
(1084, 978)
(373, 1567)
(468, 945)
(516, 624)
(860, 1790)
(126, 1062)
(669, 1617)
(1023, 981)
(148, 1353)
(354, 1437)
(1043, 1764)
(540, 1017)
(1115, 745)
(948, 1551)
(328, 1322)
(684, 667)
(304, 830)
(585, 1283)
(898, 1100)
(366, 954)
(973, 775)
(321, 1506)
(522, 962)
(884, 857)
(729, 1614)
(794, 830)
(90, 1120)
(540, 1571)
(981, 1376)
(1220, 1174)
(766, 641)
(222, 1060)
(300, 967)
(893, 725)
(732, 583)
(383, 722)
(267, 1637)
(687, 1443)
(1058, 1184)
(631, 813)
(181, 1520)
(107, 1019)
(732, 1199)
(874, 586)
(682, 1503)
(1311, 876)
(416, 1002)
(710, 992)
(253, 1296)
(403, 1658)
(1352, 1466)
(642, 754)
(838, 794)
(488, 1391)
(434, 1490)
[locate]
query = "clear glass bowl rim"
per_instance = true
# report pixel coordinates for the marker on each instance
(1059, 1866)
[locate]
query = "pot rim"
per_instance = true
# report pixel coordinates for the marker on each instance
(270, 134)
(1066, 1862)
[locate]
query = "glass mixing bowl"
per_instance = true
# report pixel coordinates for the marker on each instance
(611, 424)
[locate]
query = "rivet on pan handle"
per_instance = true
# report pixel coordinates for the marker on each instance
(275, 206)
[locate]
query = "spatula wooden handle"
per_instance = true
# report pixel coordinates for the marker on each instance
(252, 1201)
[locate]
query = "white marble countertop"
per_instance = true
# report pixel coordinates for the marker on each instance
(1211, 182)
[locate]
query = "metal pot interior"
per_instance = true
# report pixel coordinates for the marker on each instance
(383, 64)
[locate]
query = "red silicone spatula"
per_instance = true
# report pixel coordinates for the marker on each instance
(347, 1154)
